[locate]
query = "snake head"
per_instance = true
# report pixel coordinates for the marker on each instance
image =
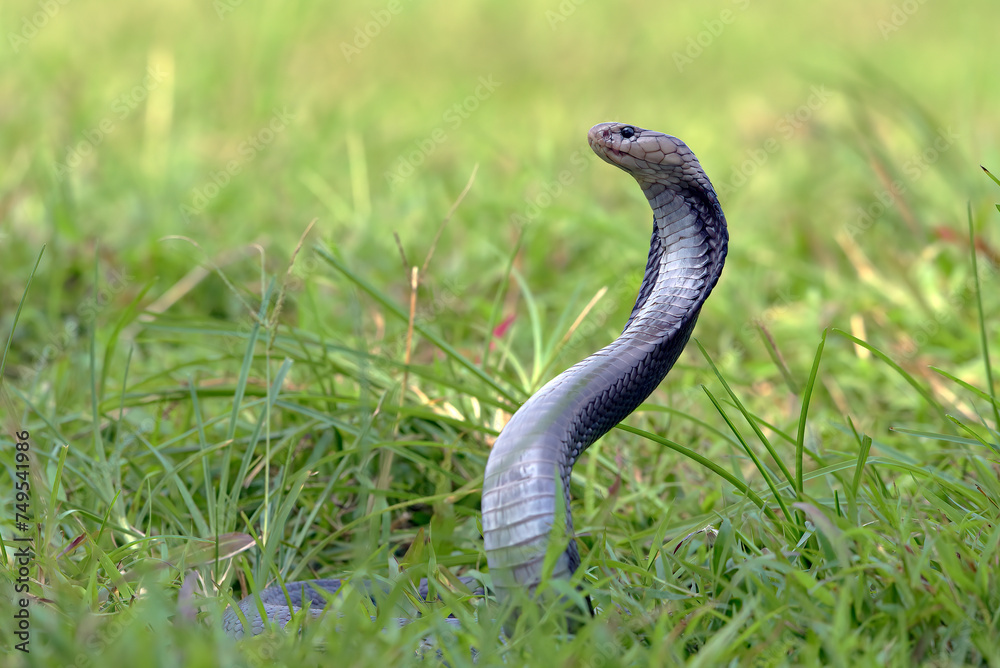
(647, 155)
(656, 160)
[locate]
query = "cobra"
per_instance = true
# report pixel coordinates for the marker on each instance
(527, 478)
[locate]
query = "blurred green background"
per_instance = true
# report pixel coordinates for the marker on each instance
(119, 122)
(145, 144)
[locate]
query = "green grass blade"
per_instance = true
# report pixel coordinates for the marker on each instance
(979, 439)
(746, 448)
(742, 487)
(984, 341)
(17, 314)
(866, 446)
(537, 337)
(747, 416)
(248, 359)
(947, 438)
(772, 350)
(800, 439)
(968, 386)
(990, 174)
(921, 390)
(128, 315)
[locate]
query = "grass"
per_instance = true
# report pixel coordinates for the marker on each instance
(229, 379)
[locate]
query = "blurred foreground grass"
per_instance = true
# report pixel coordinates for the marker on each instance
(182, 378)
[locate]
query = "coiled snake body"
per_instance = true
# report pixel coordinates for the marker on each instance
(532, 459)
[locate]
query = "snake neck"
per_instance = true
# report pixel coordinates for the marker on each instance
(534, 455)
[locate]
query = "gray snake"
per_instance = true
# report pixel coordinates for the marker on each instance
(534, 454)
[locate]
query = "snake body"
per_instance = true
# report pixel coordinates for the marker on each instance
(532, 459)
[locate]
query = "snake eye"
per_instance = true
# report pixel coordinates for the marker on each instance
(628, 132)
